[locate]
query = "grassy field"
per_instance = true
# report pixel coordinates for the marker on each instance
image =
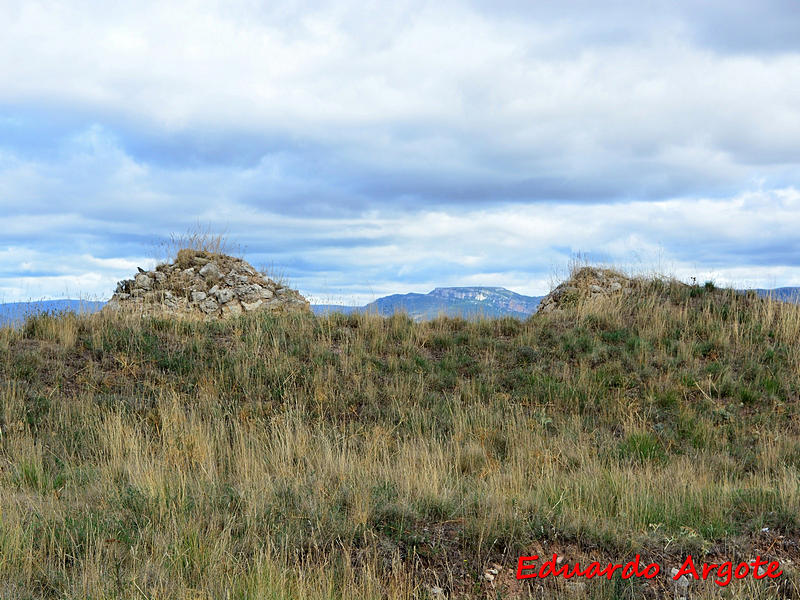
(362, 457)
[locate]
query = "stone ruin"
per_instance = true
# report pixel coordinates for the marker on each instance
(587, 282)
(206, 286)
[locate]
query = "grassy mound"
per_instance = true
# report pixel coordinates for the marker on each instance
(362, 457)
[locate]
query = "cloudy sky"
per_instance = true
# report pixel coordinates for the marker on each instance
(365, 148)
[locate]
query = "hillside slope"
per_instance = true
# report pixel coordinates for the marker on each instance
(362, 457)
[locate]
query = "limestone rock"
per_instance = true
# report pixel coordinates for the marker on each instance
(250, 292)
(143, 281)
(211, 272)
(224, 295)
(588, 282)
(209, 306)
(680, 586)
(249, 306)
(232, 309)
(217, 286)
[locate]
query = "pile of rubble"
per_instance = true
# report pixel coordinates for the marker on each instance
(587, 282)
(204, 285)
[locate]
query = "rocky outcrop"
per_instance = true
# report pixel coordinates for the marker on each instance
(206, 286)
(586, 283)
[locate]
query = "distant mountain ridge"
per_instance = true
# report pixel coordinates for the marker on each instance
(14, 313)
(785, 294)
(467, 302)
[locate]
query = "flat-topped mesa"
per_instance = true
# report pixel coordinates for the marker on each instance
(204, 285)
(465, 293)
(587, 282)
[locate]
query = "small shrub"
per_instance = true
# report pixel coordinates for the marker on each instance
(53, 327)
(747, 396)
(526, 355)
(196, 239)
(184, 257)
(641, 447)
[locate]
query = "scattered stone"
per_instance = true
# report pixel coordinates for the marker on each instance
(233, 279)
(211, 272)
(143, 281)
(232, 309)
(224, 295)
(209, 306)
(680, 586)
(250, 306)
(491, 573)
(575, 588)
(184, 292)
(249, 292)
(761, 571)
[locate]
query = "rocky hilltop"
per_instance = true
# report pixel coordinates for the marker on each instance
(587, 282)
(204, 285)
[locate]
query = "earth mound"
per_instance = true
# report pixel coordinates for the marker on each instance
(206, 286)
(587, 282)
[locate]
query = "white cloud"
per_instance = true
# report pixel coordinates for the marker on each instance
(382, 147)
(126, 208)
(520, 247)
(408, 84)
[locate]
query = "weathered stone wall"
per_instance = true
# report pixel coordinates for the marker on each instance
(588, 282)
(204, 285)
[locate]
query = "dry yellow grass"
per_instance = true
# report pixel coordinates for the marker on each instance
(361, 457)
